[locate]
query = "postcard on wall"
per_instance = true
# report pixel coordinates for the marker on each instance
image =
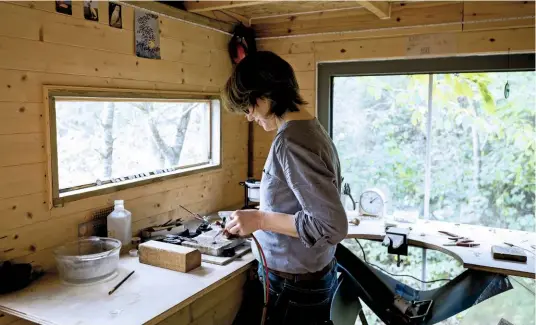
(64, 7)
(91, 10)
(115, 15)
(147, 35)
(432, 44)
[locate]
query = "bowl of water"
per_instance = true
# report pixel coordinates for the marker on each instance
(88, 260)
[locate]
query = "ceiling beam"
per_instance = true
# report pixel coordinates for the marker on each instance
(201, 6)
(161, 8)
(382, 9)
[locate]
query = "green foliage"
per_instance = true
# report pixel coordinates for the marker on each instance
(482, 152)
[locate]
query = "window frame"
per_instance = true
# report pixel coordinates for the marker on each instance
(51, 93)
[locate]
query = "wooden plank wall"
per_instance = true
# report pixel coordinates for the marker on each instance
(373, 42)
(39, 46)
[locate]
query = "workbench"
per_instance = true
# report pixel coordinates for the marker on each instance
(153, 294)
(149, 296)
(424, 233)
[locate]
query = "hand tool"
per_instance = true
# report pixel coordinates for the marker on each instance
(459, 240)
(195, 215)
(462, 244)
(448, 233)
(216, 235)
(512, 245)
(120, 283)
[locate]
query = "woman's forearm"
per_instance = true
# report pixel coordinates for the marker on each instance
(280, 223)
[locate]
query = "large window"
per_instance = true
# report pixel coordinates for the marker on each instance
(103, 141)
(441, 138)
(453, 146)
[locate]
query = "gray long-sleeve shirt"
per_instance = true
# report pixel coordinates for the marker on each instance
(302, 177)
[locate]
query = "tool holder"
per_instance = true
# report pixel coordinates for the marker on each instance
(396, 240)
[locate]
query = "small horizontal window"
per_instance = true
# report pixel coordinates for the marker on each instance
(105, 141)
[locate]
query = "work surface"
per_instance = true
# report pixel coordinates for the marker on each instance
(150, 295)
(425, 234)
(153, 293)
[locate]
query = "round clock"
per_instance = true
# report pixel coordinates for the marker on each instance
(372, 203)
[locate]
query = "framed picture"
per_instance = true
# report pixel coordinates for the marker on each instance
(114, 13)
(147, 35)
(64, 7)
(91, 10)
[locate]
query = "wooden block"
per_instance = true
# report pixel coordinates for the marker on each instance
(508, 253)
(169, 256)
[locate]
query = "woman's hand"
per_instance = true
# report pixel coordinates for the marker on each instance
(244, 222)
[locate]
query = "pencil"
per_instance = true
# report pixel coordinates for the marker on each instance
(120, 283)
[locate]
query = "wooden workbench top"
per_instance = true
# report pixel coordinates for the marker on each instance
(424, 233)
(153, 294)
(150, 295)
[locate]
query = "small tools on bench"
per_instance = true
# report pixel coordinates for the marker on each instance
(459, 240)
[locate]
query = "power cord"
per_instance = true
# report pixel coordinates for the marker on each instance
(391, 274)
(266, 280)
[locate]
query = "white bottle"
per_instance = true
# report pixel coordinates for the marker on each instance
(119, 223)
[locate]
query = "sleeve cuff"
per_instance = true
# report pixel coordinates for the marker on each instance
(307, 231)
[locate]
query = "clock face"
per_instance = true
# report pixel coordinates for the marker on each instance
(371, 203)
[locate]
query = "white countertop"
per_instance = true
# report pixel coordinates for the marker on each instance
(150, 295)
(425, 234)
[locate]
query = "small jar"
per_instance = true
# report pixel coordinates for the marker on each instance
(135, 242)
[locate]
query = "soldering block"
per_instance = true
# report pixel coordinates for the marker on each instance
(169, 256)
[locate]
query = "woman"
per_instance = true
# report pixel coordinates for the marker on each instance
(301, 218)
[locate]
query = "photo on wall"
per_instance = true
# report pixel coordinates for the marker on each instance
(64, 7)
(114, 12)
(91, 10)
(147, 35)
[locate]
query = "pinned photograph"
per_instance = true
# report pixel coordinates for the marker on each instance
(91, 10)
(115, 15)
(64, 7)
(147, 35)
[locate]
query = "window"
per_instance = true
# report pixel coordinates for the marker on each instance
(103, 141)
(439, 137)
(449, 145)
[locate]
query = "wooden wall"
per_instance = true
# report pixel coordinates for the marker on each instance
(383, 40)
(39, 46)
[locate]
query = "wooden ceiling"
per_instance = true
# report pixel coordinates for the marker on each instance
(261, 13)
(274, 18)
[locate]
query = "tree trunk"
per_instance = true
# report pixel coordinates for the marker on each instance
(182, 127)
(108, 151)
(477, 163)
(171, 153)
(164, 149)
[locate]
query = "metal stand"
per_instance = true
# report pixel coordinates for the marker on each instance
(378, 291)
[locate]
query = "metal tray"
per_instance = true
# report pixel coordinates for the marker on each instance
(206, 243)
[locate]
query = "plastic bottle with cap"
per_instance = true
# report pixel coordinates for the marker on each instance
(119, 223)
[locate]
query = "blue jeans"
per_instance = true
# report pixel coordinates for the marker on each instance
(301, 302)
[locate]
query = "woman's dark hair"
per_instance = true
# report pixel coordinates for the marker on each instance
(262, 74)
